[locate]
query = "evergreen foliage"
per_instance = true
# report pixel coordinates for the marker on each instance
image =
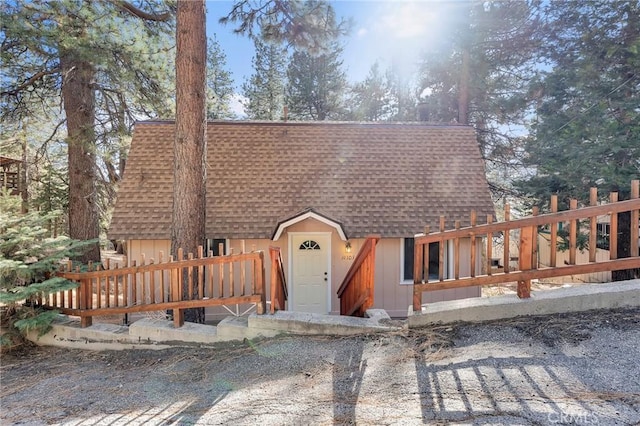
(107, 64)
(219, 83)
(403, 99)
(371, 98)
(479, 74)
(264, 90)
(587, 125)
(29, 257)
(316, 85)
(308, 25)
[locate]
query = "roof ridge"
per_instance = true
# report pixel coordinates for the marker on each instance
(317, 123)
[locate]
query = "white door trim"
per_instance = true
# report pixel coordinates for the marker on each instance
(292, 293)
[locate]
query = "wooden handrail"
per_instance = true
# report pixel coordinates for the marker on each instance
(357, 289)
(279, 292)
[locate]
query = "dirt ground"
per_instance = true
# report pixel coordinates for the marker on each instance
(559, 369)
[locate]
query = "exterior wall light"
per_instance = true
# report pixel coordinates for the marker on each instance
(347, 247)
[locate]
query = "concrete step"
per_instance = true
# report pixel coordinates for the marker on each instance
(237, 328)
(307, 323)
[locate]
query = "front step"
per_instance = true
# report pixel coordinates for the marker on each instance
(307, 323)
(237, 328)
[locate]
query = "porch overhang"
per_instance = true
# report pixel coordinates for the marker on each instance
(306, 214)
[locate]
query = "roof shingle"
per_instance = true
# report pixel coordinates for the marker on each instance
(387, 179)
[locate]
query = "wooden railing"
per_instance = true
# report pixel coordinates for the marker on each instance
(526, 231)
(9, 181)
(278, 281)
(158, 286)
(357, 288)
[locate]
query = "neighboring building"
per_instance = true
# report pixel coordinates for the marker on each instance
(316, 190)
(10, 175)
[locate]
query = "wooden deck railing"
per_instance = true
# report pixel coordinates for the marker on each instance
(278, 281)
(9, 181)
(526, 231)
(158, 286)
(357, 288)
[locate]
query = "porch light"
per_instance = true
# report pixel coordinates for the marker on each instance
(347, 247)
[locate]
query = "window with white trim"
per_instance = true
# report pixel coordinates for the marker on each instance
(309, 245)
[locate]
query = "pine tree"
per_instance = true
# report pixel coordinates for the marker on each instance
(309, 25)
(264, 90)
(587, 123)
(479, 74)
(316, 85)
(29, 257)
(402, 96)
(190, 144)
(219, 82)
(371, 98)
(105, 77)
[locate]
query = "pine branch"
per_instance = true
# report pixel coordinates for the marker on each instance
(29, 82)
(139, 13)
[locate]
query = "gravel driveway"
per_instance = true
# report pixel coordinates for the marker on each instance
(580, 369)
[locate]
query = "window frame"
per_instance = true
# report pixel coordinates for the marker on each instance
(403, 280)
(211, 244)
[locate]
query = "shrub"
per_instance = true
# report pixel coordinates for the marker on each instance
(29, 258)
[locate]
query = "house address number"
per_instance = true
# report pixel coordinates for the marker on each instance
(348, 256)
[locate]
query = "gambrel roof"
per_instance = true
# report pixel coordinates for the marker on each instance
(390, 179)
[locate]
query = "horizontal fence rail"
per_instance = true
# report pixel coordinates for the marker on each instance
(107, 289)
(574, 222)
(357, 289)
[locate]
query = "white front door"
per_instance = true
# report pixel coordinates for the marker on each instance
(310, 272)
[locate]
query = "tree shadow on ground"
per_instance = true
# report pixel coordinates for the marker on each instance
(348, 372)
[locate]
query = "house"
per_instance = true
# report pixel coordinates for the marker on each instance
(9, 175)
(316, 190)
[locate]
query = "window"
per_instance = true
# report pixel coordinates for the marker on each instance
(309, 245)
(408, 260)
(602, 236)
(213, 244)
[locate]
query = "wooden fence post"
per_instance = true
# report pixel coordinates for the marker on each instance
(527, 235)
(506, 255)
(261, 307)
(176, 294)
(553, 242)
(593, 225)
(635, 218)
(417, 277)
(85, 298)
(275, 282)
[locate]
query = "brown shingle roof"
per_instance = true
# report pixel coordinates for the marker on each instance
(387, 179)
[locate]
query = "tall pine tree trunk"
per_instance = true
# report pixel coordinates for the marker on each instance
(79, 108)
(189, 173)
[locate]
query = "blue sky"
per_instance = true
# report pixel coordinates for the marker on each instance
(393, 32)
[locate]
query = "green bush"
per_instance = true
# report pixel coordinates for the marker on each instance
(29, 258)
